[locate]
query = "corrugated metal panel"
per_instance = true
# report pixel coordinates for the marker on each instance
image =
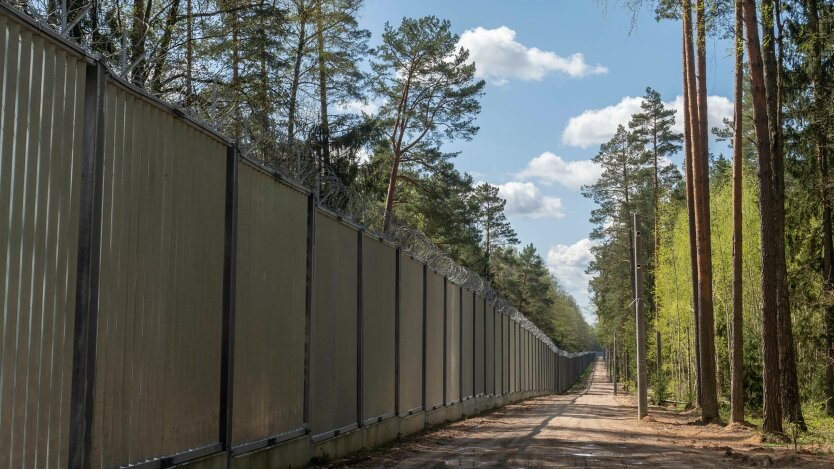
(513, 368)
(161, 285)
(334, 352)
(453, 320)
(270, 307)
(480, 359)
(379, 264)
(467, 361)
(42, 110)
(434, 339)
(505, 354)
(490, 347)
(525, 360)
(411, 334)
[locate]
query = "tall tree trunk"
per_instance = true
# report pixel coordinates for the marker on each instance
(655, 301)
(700, 172)
(791, 406)
(138, 40)
(189, 55)
(737, 356)
(770, 349)
(397, 135)
(690, 196)
(164, 44)
(821, 144)
(325, 125)
(296, 72)
(237, 126)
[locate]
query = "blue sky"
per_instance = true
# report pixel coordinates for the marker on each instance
(546, 110)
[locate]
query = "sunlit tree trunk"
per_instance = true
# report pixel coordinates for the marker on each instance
(772, 404)
(690, 203)
(700, 173)
(791, 406)
(737, 356)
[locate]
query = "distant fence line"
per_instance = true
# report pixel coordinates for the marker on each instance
(165, 299)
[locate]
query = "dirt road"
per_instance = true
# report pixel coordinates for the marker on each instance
(589, 428)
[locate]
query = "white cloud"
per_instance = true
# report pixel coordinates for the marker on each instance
(498, 57)
(596, 126)
(568, 264)
(524, 199)
(718, 107)
(359, 107)
(551, 168)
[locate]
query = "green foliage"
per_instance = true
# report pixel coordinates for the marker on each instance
(675, 320)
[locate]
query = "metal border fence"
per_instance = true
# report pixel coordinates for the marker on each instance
(166, 299)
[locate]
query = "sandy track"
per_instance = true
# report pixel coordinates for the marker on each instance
(590, 428)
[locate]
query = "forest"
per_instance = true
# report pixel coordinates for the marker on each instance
(296, 84)
(738, 247)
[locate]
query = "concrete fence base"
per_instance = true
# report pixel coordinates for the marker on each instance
(300, 451)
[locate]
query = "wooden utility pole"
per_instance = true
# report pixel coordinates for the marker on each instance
(642, 400)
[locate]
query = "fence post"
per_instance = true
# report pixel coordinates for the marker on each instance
(445, 338)
(397, 332)
(425, 324)
(308, 305)
(227, 351)
(87, 274)
(360, 370)
(642, 403)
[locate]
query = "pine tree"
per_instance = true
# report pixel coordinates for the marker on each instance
(495, 227)
(428, 89)
(653, 129)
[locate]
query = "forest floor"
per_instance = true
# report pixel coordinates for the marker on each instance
(587, 427)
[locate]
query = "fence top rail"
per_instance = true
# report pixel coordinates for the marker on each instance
(336, 216)
(275, 175)
(380, 239)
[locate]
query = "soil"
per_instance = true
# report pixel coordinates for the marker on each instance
(587, 428)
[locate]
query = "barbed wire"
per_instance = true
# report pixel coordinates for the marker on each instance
(302, 166)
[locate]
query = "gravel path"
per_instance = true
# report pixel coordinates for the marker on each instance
(589, 428)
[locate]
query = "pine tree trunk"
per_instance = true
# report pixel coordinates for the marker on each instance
(296, 73)
(164, 44)
(325, 124)
(397, 136)
(237, 126)
(689, 137)
(772, 404)
(737, 355)
(709, 389)
(700, 173)
(791, 406)
(821, 144)
(189, 54)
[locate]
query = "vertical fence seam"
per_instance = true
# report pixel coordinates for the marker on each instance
(227, 353)
(87, 280)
